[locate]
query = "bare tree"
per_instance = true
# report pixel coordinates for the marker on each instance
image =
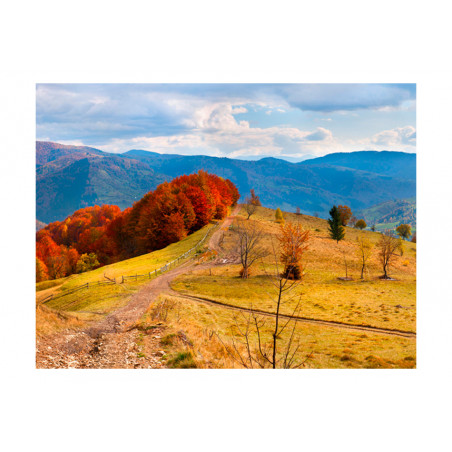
(387, 247)
(364, 252)
(249, 244)
(250, 207)
(250, 348)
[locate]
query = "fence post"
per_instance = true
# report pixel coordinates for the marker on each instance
(122, 276)
(87, 285)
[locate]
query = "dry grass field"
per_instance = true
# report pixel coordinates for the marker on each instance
(389, 304)
(197, 334)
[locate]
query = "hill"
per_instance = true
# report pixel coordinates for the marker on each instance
(72, 177)
(395, 164)
(69, 178)
(390, 214)
(196, 310)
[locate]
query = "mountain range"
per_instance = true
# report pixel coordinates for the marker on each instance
(72, 177)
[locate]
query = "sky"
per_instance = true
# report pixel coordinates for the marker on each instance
(292, 121)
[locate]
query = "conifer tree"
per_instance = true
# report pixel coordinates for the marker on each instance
(336, 229)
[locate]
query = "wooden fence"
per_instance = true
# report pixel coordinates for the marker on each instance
(124, 278)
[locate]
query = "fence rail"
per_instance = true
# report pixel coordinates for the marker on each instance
(124, 278)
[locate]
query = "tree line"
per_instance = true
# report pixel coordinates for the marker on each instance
(96, 236)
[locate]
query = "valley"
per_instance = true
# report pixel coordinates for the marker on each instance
(73, 177)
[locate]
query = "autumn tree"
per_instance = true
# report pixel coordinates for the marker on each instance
(250, 247)
(387, 247)
(345, 214)
(364, 252)
(335, 227)
(42, 273)
(249, 346)
(413, 239)
(403, 231)
(361, 224)
(87, 262)
(250, 207)
(163, 216)
(293, 241)
(352, 221)
(254, 198)
(279, 216)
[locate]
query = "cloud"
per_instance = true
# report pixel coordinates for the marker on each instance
(401, 136)
(319, 135)
(216, 119)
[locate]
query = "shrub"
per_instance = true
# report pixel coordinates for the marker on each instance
(279, 216)
(182, 360)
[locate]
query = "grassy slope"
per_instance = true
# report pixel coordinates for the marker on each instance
(323, 296)
(402, 210)
(327, 347)
(370, 302)
(97, 301)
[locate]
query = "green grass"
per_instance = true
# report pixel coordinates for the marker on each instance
(100, 300)
(44, 285)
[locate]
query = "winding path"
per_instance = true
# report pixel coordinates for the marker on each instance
(111, 342)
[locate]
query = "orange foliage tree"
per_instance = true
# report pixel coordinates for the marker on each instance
(293, 240)
(166, 215)
(345, 214)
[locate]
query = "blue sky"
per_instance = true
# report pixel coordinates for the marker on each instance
(230, 120)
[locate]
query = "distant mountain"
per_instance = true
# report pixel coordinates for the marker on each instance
(390, 214)
(69, 178)
(395, 164)
(40, 225)
(314, 187)
(286, 158)
(79, 177)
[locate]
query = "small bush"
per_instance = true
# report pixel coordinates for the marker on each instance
(248, 273)
(168, 339)
(183, 360)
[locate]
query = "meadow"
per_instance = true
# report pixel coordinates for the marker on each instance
(97, 301)
(196, 334)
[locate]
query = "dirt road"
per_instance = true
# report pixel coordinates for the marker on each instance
(111, 343)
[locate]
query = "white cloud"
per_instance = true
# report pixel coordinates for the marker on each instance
(400, 136)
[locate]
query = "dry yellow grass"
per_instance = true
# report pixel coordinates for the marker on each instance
(326, 347)
(49, 321)
(372, 301)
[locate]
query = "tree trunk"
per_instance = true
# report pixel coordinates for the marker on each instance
(275, 334)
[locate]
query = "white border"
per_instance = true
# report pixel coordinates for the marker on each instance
(230, 42)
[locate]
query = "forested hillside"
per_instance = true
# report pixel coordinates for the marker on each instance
(95, 236)
(70, 178)
(390, 214)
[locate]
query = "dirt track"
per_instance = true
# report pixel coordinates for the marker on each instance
(110, 343)
(331, 323)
